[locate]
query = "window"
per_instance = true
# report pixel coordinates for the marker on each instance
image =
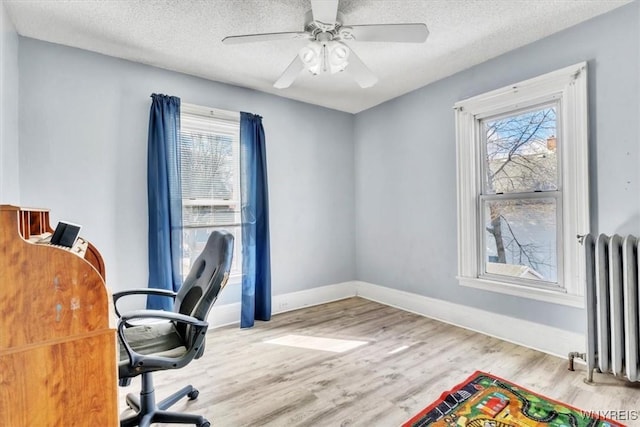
(523, 187)
(210, 174)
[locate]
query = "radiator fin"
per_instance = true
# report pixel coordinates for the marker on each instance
(630, 283)
(602, 303)
(612, 300)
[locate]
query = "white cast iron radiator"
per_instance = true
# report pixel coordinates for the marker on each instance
(613, 334)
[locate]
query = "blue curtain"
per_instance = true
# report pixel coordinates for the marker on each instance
(165, 199)
(256, 261)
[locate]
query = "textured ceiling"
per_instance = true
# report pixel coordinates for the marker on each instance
(185, 36)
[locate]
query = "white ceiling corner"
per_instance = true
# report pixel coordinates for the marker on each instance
(185, 36)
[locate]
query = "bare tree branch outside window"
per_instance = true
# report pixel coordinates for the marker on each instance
(521, 157)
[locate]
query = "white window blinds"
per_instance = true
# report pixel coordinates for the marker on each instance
(209, 167)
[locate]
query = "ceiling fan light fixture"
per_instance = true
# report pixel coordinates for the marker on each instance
(310, 57)
(338, 57)
(326, 56)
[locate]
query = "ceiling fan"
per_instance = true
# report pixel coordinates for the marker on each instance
(326, 51)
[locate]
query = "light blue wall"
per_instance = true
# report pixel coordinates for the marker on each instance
(9, 185)
(83, 128)
(370, 196)
(406, 174)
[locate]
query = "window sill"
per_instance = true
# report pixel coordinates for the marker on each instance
(545, 295)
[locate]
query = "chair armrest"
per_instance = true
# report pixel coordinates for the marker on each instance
(144, 362)
(140, 291)
(160, 314)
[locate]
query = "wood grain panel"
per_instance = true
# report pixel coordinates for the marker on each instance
(46, 292)
(57, 350)
(59, 385)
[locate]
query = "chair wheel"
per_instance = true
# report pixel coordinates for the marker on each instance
(193, 396)
(205, 424)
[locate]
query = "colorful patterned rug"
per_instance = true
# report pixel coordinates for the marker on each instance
(484, 400)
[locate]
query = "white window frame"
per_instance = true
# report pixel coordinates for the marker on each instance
(568, 87)
(233, 118)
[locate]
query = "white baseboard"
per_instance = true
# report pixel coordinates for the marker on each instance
(554, 341)
(224, 314)
(228, 314)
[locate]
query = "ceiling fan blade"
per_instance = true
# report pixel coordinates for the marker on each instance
(250, 38)
(325, 11)
(290, 74)
(360, 72)
(407, 33)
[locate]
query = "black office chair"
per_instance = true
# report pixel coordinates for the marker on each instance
(172, 344)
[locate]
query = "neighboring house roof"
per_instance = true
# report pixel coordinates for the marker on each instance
(513, 270)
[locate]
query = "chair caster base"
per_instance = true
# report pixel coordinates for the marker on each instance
(193, 395)
(148, 411)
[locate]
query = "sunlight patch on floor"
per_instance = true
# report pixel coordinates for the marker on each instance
(317, 343)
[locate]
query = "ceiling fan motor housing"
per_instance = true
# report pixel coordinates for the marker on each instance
(321, 31)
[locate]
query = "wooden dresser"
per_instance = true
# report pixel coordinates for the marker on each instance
(57, 348)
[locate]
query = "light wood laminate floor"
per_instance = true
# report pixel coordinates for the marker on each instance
(244, 381)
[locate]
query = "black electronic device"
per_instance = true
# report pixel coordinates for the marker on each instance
(65, 234)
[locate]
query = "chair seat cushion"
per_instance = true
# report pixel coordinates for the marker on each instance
(159, 339)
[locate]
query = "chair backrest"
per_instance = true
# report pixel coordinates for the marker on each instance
(205, 280)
